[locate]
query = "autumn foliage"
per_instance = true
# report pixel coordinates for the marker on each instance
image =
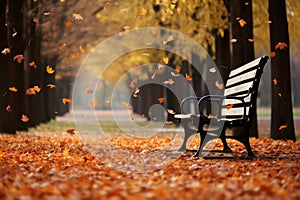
(42, 167)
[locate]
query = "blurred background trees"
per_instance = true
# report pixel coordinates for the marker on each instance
(54, 37)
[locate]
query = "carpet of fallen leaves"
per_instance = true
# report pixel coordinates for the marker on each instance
(38, 167)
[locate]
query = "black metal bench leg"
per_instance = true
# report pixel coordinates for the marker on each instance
(188, 132)
(226, 148)
(244, 139)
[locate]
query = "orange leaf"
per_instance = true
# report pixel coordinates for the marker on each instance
(93, 104)
(71, 131)
(211, 116)
(37, 89)
(32, 64)
(62, 46)
(81, 49)
(49, 69)
(8, 108)
(89, 91)
(242, 22)
(281, 45)
(24, 118)
(36, 20)
(133, 82)
(66, 152)
(251, 39)
(177, 68)
(161, 100)
(68, 24)
(51, 86)
(74, 55)
(219, 85)
(272, 54)
(77, 16)
(169, 81)
(13, 89)
(229, 106)
(19, 58)
(282, 127)
(166, 60)
(275, 81)
(187, 77)
(107, 101)
(67, 100)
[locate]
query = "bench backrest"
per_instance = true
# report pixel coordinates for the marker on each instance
(243, 82)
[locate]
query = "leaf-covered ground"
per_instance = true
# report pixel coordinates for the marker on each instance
(38, 167)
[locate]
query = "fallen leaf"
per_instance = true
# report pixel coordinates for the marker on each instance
(66, 152)
(281, 45)
(77, 16)
(68, 24)
(49, 69)
(24, 118)
(169, 122)
(71, 131)
(19, 58)
(161, 100)
(178, 10)
(13, 89)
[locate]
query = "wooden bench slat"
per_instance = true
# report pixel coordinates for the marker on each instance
(234, 101)
(244, 67)
(243, 77)
(234, 111)
(238, 88)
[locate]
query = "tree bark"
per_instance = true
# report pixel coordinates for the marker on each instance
(242, 49)
(282, 124)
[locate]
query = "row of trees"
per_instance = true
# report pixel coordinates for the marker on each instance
(60, 33)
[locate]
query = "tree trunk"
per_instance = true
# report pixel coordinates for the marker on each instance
(242, 49)
(282, 125)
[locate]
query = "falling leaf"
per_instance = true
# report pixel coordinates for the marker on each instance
(67, 100)
(71, 131)
(233, 40)
(170, 111)
(279, 94)
(212, 70)
(275, 81)
(272, 54)
(8, 108)
(49, 69)
(89, 91)
(281, 45)
(68, 24)
(62, 46)
(142, 12)
(77, 16)
(177, 68)
(81, 49)
(24, 118)
(241, 21)
(5, 51)
(136, 92)
(14, 34)
(282, 127)
(93, 104)
(30, 91)
(51, 86)
(153, 33)
(188, 77)
(169, 81)
(36, 88)
(175, 74)
(32, 64)
(36, 20)
(13, 89)
(74, 55)
(211, 116)
(268, 21)
(160, 67)
(47, 13)
(133, 82)
(161, 100)
(251, 39)
(166, 60)
(127, 106)
(219, 85)
(107, 101)
(178, 11)
(170, 38)
(228, 107)
(19, 58)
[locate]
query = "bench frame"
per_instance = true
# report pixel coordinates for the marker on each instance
(196, 123)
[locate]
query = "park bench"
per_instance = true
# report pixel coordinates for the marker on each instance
(236, 108)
